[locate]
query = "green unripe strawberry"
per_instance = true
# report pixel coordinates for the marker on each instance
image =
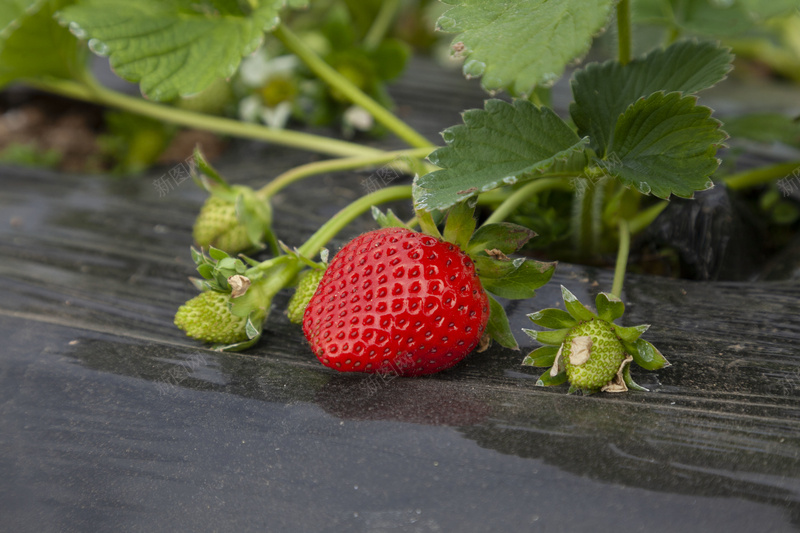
(306, 288)
(207, 317)
(217, 225)
(592, 354)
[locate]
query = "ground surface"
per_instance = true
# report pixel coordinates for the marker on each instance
(112, 420)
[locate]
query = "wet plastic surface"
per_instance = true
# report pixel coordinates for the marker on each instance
(112, 420)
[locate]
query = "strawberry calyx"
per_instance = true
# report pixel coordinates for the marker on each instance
(588, 349)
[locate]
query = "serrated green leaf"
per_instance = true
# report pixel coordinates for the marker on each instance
(522, 282)
(498, 327)
(206, 270)
(553, 319)
(604, 91)
(172, 48)
(575, 307)
(33, 45)
(497, 146)
(518, 45)
(542, 356)
(632, 333)
(506, 237)
(546, 380)
(609, 307)
(666, 144)
(645, 354)
(554, 337)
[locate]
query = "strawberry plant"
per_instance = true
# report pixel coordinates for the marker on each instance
(636, 135)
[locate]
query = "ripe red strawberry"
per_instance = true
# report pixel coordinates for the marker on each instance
(396, 301)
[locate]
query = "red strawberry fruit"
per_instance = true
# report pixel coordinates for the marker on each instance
(393, 300)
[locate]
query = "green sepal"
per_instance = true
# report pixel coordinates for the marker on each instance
(646, 355)
(206, 270)
(522, 283)
(542, 356)
(388, 220)
(197, 257)
(498, 327)
(217, 254)
(506, 237)
(202, 172)
(575, 307)
(491, 268)
(255, 215)
(461, 222)
(609, 307)
(632, 385)
(554, 337)
(546, 380)
(553, 319)
(632, 333)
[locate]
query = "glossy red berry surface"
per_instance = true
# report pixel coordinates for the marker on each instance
(396, 301)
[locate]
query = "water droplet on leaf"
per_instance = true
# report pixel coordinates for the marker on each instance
(77, 31)
(445, 24)
(98, 47)
(644, 187)
(474, 68)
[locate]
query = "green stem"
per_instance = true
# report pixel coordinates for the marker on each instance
(100, 95)
(622, 258)
(624, 31)
(381, 24)
(522, 194)
(644, 218)
(341, 219)
(332, 77)
(587, 210)
(334, 165)
(760, 176)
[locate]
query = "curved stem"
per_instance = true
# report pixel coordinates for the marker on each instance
(333, 165)
(519, 197)
(100, 95)
(381, 24)
(624, 31)
(332, 77)
(341, 219)
(760, 176)
(622, 258)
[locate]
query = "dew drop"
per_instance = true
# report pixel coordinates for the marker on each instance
(474, 68)
(77, 31)
(510, 180)
(644, 187)
(448, 136)
(98, 47)
(445, 24)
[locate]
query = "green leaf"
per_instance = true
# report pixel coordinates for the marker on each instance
(609, 307)
(765, 127)
(553, 319)
(522, 282)
(491, 268)
(546, 380)
(216, 253)
(666, 144)
(554, 337)
(632, 333)
(518, 45)
(506, 237)
(33, 45)
(494, 147)
(172, 48)
(604, 91)
(460, 223)
(498, 327)
(575, 307)
(542, 356)
(646, 355)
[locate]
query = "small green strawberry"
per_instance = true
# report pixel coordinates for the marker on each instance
(306, 288)
(207, 317)
(217, 225)
(588, 349)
